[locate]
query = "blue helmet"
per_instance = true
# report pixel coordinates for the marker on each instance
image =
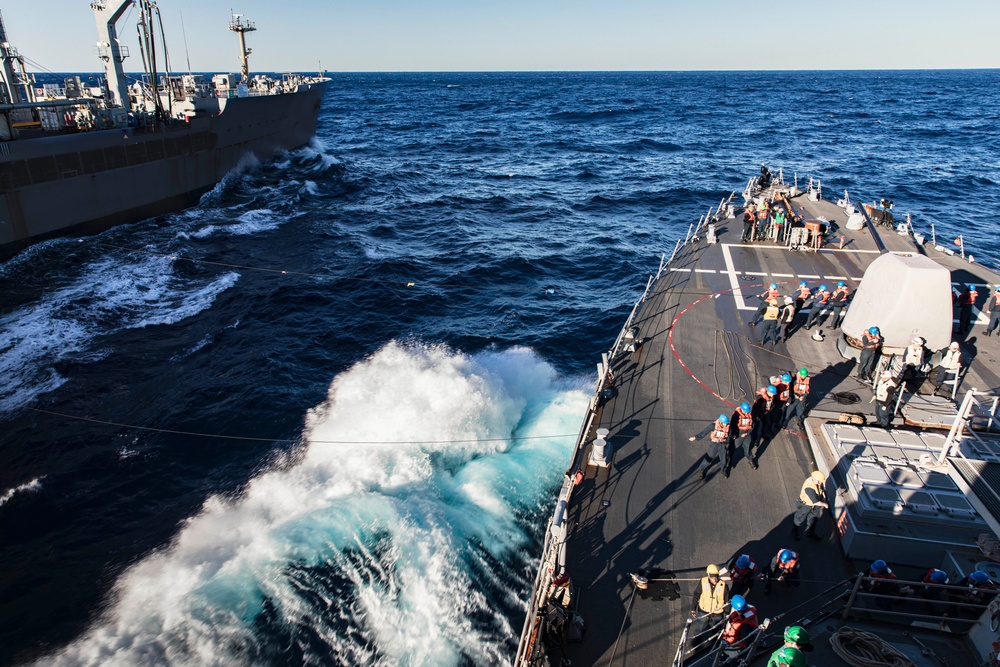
(744, 406)
(979, 577)
(786, 378)
(786, 555)
(803, 284)
(822, 288)
(771, 389)
(841, 283)
(723, 419)
(739, 603)
(873, 331)
(971, 287)
(939, 577)
(743, 562)
(880, 566)
(773, 286)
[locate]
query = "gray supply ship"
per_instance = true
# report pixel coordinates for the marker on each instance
(636, 525)
(75, 159)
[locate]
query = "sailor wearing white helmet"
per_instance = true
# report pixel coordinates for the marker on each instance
(951, 363)
(885, 396)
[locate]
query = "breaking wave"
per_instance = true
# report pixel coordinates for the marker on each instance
(414, 476)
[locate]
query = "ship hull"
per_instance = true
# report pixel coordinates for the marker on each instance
(87, 182)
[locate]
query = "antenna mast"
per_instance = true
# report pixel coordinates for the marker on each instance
(241, 26)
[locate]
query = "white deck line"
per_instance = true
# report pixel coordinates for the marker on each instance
(809, 275)
(836, 277)
(680, 270)
(755, 273)
(704, 270)
(783, 275)
(781, 247)
(734, 282)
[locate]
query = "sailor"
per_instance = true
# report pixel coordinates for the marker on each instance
(885, 397)
(798, 638)
(783, 383)
(993, 308)
(770, 329)
(880, 580)
(744, 431)
(812, 502)
(742, 621)
(871, 345)
(787, 657)
(779, 223)
(797, 405)
(709, 601)
(966, 300)
(742, 572)
(951, 362)
(765, 302)
(801, 295)
(837, 301)
(979, 590)
(718, 445)
(819, 305)
(913, 359)
(749, 216)
(763, 219)
(763, 411)
(931, 591)
(784, 567)
(785, 319)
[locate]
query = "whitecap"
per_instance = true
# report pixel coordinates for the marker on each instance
(406, 475)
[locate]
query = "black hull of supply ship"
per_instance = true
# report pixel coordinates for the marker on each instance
(813, 480)
(72, 161)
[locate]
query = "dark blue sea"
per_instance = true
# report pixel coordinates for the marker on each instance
(321, 417)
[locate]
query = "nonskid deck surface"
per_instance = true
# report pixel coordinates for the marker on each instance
(649, 509)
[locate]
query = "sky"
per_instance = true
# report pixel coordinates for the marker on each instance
(532, 35)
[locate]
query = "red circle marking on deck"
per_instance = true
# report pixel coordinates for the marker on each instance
(670, 339)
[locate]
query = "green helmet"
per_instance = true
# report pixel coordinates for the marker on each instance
(796, 634)
(803, 373)
(792, 657)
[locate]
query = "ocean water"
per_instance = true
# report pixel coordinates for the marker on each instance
(321, 417)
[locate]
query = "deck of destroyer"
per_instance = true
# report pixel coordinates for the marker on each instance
(649, 510)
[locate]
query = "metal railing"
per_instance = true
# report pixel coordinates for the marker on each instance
(553, 559)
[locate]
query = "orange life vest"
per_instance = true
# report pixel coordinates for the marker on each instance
(790, 565)
(870, 341)
(967, 299)
(802, 386)
(721, 432)
(804, 293)
(740, 623)
(824, 298)
(738, 576)
(784, 392)
(744, 420)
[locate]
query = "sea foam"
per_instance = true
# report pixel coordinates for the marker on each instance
(413, 470)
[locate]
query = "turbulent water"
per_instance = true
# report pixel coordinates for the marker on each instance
(320, 417)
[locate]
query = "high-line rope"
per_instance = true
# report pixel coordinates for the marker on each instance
(296, 440)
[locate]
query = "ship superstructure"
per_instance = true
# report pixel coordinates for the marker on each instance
(135, 147)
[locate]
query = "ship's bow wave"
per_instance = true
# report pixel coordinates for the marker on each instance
(416, 475)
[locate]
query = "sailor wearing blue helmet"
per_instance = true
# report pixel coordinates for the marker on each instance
(871, 345)
(838, 300)
(966, 300)
(820, 303)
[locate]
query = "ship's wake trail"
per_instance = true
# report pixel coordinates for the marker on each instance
(394, 535)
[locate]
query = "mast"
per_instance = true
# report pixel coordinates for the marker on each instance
(110, 51)
(9, 78)
(241, 26)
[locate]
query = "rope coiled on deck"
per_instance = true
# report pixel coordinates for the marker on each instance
(863, 649)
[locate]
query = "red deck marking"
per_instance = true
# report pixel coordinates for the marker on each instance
(670, 339)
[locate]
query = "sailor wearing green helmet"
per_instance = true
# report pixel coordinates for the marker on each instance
(796, 404)
(797, 637)
(787, 657)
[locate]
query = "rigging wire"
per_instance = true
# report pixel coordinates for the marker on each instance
(219, 436)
